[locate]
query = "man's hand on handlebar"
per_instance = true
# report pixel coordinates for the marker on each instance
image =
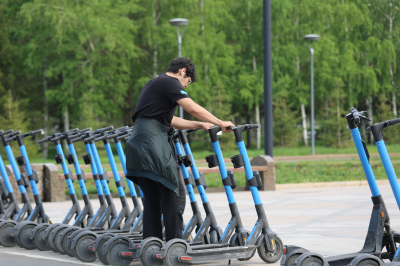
(224, 125)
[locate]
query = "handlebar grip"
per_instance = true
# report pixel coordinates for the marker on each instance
(252, 126)
(39, 131)
(394, 121)
(8, 132)
(230, 128)
(72, 130)
(99, 138)
(9, 139)
(85, 130)
(122, 128)
(368, 129)
(192, 130)
(76, 139)
(13, 133)
(43, 140)
(91, 138)
(105, 128)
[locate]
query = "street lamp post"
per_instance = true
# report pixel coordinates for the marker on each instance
(310, 38)
(177, 22)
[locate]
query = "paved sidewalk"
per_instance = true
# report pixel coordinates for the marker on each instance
(329, 220)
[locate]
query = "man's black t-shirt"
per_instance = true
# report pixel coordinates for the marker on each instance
(158, 99)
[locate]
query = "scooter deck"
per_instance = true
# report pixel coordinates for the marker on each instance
(342, 260)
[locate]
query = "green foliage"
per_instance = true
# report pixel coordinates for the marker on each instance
(285, 134)
(14, 118)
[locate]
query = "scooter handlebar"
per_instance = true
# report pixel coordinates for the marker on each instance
(39, 131)
(394, 121)
(76, 139)
(104, 129)
(8, 132)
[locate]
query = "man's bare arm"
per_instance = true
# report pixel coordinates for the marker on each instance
(180, 123)
(201, 113)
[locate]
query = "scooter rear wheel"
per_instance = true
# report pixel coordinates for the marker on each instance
(289, 261)
(312, 261)
(172, 257)
(50, 242)
(58, 244)
(368, 262)
(39, 241)
(82, 249)
(5, 239)
(271, 257)
(99, 252)
(113, 251)
(23, 238)
(66, 248)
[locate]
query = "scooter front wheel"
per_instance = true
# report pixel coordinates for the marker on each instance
(39, 241)
(82, 251)
(99, 252)
(113, 253)
(68, 250)
(6, 239)
(23, 237)
(172, 257)
(271, 256)
(58, 244)
(50, 242)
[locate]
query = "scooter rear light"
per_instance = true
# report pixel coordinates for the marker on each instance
(126, 253)
(284, 250)
(158, 256)
(90, 247)
(186, 258)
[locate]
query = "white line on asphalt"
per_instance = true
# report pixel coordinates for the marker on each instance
(47, 258)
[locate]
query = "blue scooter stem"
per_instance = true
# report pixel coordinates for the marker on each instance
(60, 152)
(391, 175)
(355, 133)
(122, 158)
(3, 173)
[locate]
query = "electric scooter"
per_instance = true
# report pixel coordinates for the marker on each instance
(21, 231)
(17, 214)
(379, 234)
(12, 205)
(236, 242)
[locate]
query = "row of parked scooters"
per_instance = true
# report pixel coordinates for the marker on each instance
(115, 238)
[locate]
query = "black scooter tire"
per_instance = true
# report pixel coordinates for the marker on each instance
(270, 257)
(68, 250)
(368, 262)
(289, 261)
(39, 241)
(113, 254)
(99, 252)
(57, 243)
(50, 242)
(171, 259)
(82, 252)
(23, 239)
(5, 239)
(312, 261)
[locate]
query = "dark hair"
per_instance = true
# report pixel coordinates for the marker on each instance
(183, 62)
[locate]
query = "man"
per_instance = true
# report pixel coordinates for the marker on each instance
(150, 149)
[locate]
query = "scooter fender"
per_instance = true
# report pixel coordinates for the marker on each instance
(112, 240)
(69, 229)
(101, 237)
(8, 222)
(143, 243)
(47, 231)
(39, 226)
(306, 255)
(78, 236)
(164, 249)
(358, 259)
(73, 235)
(267, 239)
(291, 250)
(17, 229)
(57, 230)
(233, 239)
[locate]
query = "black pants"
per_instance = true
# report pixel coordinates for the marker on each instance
(160, 200)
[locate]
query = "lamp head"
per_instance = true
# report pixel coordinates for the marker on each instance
(311, 37)
(179, 22)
